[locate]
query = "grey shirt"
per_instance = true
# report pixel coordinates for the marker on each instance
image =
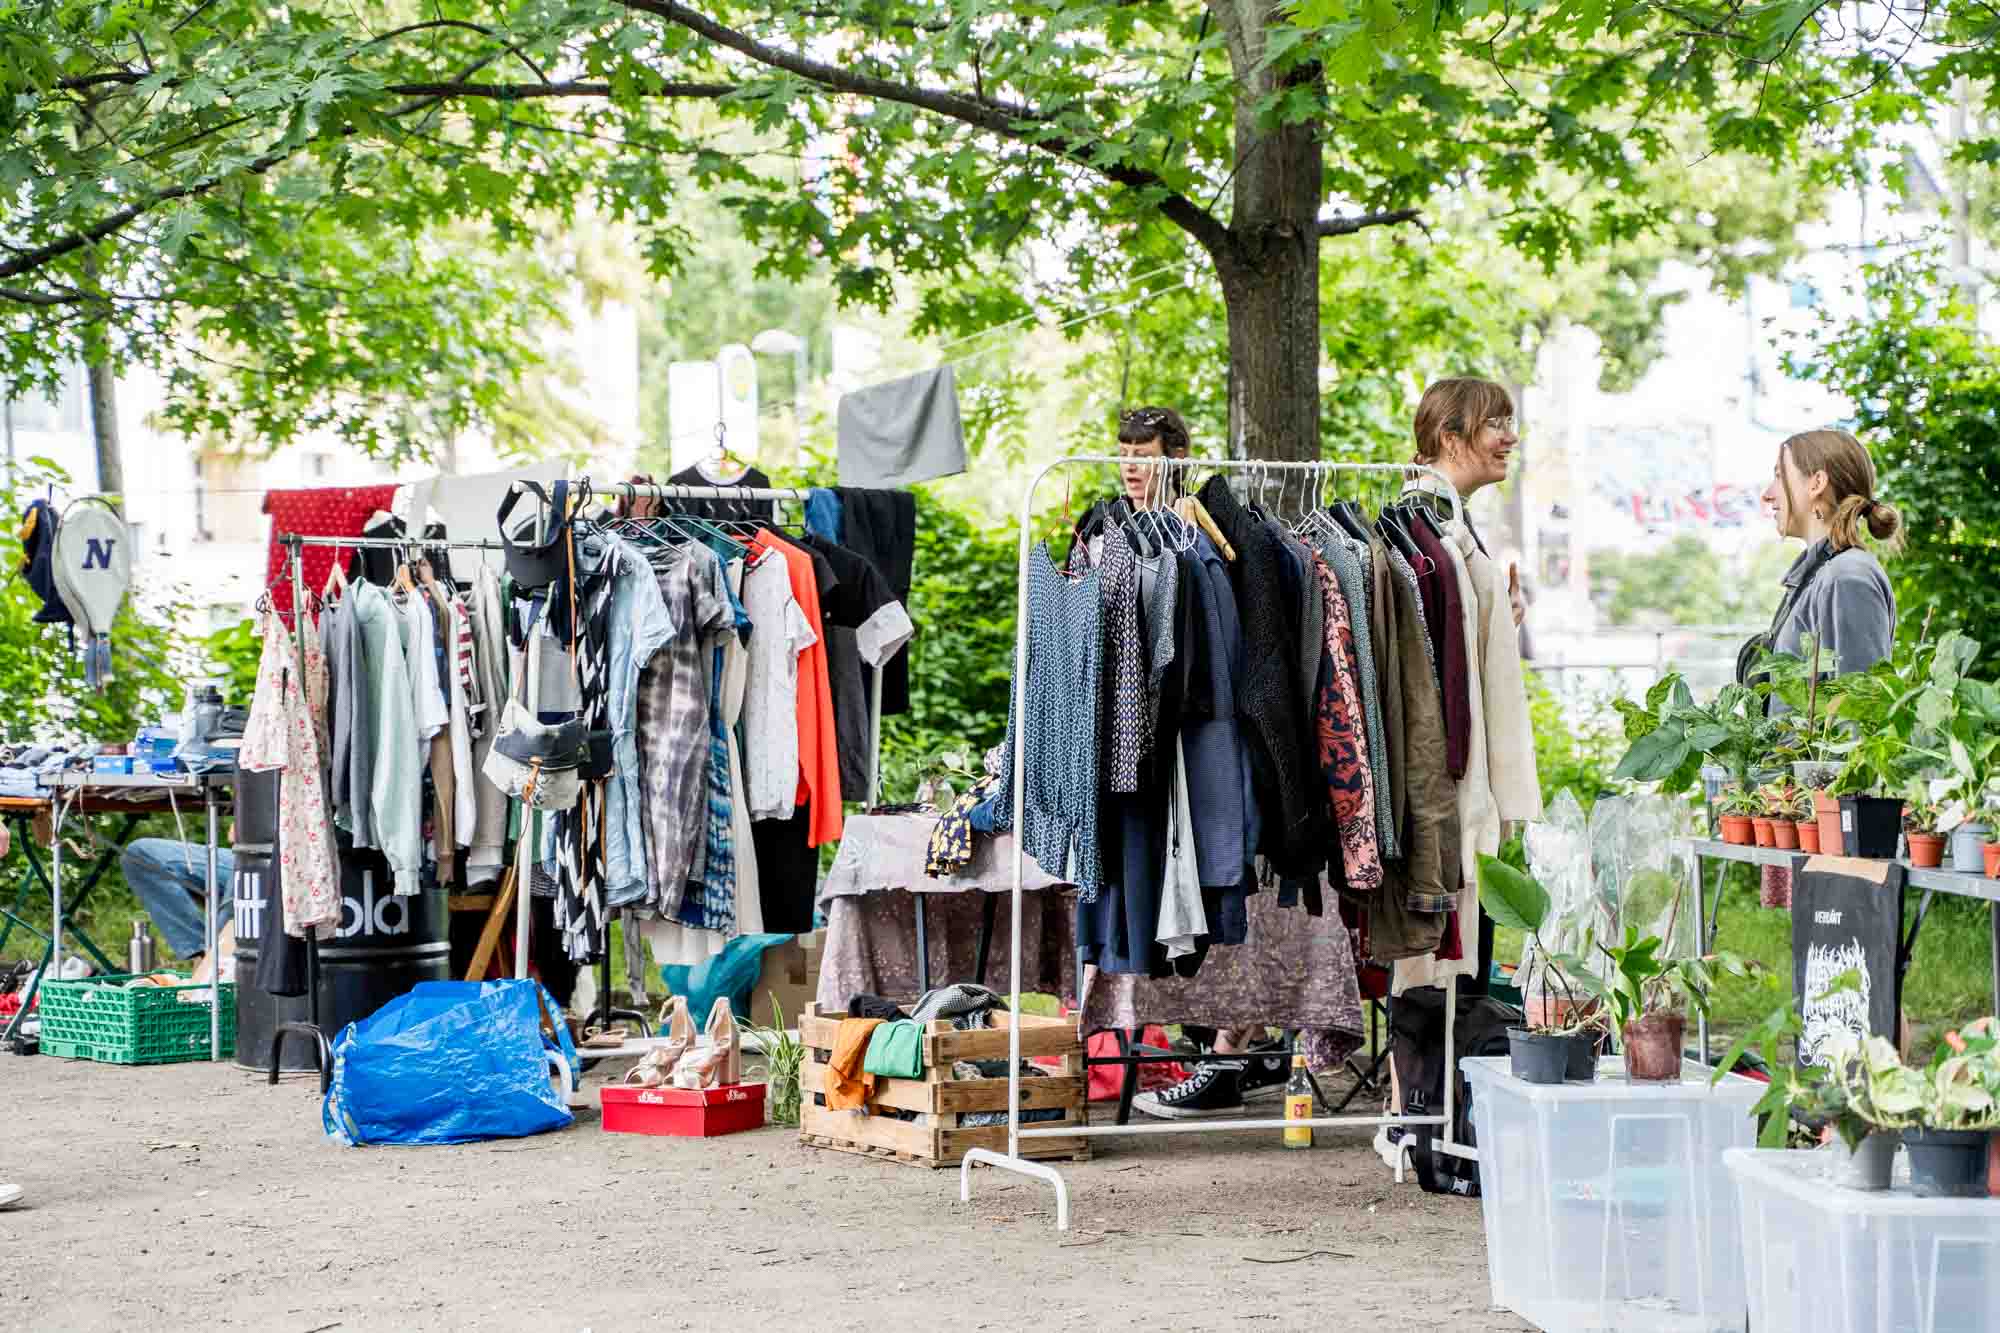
(1846, 604)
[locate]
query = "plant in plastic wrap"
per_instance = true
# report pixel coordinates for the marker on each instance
(1558, 848)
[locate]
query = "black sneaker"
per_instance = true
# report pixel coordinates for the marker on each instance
(1215, 1088)
(1265, 1076)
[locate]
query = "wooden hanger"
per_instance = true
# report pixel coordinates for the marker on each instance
(1190, 510)
(336, 581)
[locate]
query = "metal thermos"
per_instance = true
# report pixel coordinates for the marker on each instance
(140, 952)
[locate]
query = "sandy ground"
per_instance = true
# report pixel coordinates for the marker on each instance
(196, 1197)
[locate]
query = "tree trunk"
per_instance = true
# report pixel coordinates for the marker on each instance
(1270, 274)
(104, 430)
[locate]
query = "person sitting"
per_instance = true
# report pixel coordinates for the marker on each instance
(170, 879)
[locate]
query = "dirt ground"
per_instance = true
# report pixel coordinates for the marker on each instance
(194, 1196)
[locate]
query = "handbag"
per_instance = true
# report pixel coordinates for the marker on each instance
(535, 762)
(896, 1050)
(534, 567)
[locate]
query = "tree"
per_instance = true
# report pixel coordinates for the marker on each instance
(1925, 384)
(265, 177)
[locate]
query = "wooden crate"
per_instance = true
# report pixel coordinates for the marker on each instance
(936, 1138)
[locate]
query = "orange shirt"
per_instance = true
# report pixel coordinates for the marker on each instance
(819, 752)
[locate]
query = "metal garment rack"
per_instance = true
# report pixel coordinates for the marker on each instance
(1313, 476)
(636, 490)
(295, 544)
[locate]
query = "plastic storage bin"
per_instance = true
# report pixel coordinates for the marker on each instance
(1828, 1259)
(1607, 1205)
(104, 1019)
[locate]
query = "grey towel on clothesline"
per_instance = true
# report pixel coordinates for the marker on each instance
(903, 431)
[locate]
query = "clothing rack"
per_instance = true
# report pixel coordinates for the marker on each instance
(295, 544)
(1171, 475)
(635, 490)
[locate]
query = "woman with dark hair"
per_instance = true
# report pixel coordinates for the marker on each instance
(1144, 433)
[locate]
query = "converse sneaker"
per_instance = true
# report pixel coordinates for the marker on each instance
(1265, 1076)
(1389, 1145)
(1215, 1088)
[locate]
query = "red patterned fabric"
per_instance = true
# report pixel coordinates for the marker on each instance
(327, 511)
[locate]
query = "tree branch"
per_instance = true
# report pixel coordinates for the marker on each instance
(1347, 226)
(1009, 120)
(516, 92)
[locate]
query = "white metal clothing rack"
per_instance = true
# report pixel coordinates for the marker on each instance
(1313, 476)
(634, 490)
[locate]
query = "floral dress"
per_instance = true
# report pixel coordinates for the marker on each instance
(1343, 745)
(281, 734)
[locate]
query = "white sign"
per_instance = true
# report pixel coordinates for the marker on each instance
(738, 367)
(694, 406)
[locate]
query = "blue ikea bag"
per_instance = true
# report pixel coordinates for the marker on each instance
(452, 1062)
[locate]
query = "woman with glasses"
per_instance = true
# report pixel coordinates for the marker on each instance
(1465, 429)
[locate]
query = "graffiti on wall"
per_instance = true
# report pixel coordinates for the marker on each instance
(1664, 477)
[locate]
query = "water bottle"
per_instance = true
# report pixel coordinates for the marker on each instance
(207, 713)
(139, 954)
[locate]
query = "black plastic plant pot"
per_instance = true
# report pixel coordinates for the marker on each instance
(1871, 825)
(1947, 1163)
(1583, 1048)
(1538, 1057)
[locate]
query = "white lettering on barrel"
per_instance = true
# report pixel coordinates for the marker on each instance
(250, 909)
(369, 915)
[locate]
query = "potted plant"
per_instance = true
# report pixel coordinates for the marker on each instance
(1817, 1101)
(1990, 858)
(1563, 1045)
(1645, 997)
(1871, 822)
(1781, 806)
(1946, 1113)
(1920, 827)
(1738, 810)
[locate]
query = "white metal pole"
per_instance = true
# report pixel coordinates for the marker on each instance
(214, 957)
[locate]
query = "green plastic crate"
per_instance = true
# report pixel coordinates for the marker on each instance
(101, 1019)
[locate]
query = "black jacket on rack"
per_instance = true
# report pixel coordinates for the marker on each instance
(881, 526)
(1269, 695)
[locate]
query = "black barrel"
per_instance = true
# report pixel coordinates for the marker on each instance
(383, 946)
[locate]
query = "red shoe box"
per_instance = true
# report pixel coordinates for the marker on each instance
(694, 1113)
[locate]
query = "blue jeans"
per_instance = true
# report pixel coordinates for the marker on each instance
(171, 881)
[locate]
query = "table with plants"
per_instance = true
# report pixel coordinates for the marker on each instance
(1896, 762)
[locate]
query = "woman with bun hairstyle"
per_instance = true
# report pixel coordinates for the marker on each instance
(1822, 492)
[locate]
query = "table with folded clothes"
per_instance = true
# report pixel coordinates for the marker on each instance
(1293, 969)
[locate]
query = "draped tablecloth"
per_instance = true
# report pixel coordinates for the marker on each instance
(1294, 970)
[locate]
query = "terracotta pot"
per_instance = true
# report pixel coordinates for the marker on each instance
(1809, 836)
(1785, 833)
(1991, 852)
(1653, 1048)
(1736, 830)
(1926, 849)
(1826, 809)
(1761, 827)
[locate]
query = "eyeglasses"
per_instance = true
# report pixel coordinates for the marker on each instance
(1505, 425)
(1143, 416)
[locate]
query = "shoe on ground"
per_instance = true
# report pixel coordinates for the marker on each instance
(1214, 1088)
(9, 1195)
(1265, 1076)
(1389, 1145)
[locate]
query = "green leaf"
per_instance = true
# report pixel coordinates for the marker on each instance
(1513, 899)
(1653, 756)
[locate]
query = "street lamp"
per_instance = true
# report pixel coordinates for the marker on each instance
(781, 342)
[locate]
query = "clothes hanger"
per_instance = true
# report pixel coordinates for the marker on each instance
(1191, 510)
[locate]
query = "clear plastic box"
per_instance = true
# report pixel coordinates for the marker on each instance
(1829, 1259)
(1607, 1205)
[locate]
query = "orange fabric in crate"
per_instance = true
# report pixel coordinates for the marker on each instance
(847, 1086)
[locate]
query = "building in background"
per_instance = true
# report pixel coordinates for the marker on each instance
(200, 534)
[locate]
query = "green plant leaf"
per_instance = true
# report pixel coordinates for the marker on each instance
(1512, 899)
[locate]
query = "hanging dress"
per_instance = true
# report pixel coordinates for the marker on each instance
(280, 734)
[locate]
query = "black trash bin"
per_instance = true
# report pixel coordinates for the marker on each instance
(383, 946)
